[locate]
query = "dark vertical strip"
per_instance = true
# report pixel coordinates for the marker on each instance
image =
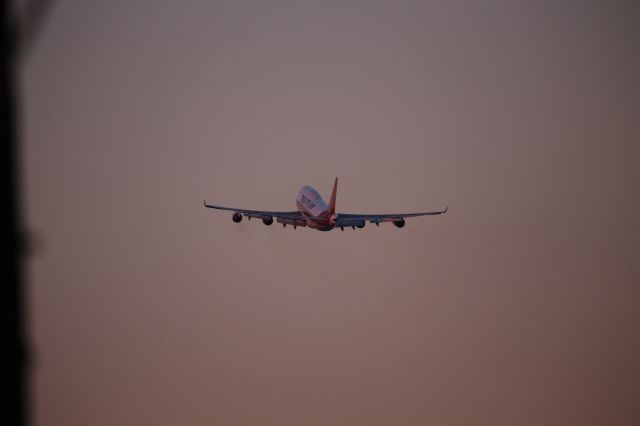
(13, 312)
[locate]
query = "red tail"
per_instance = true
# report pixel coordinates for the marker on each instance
(332, 200)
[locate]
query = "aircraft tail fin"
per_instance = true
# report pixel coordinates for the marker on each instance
(332, 200)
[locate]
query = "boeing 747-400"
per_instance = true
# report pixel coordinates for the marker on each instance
(315, 213)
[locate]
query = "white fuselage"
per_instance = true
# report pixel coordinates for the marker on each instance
(314, 208)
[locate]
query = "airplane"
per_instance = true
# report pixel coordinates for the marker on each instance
(315, 213)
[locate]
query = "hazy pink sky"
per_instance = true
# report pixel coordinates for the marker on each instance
(520, 306)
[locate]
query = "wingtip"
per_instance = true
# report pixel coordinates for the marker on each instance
(446, 209)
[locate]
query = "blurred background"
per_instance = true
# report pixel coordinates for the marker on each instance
(520, 306)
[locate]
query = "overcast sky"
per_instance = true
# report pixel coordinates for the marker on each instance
(520, 306)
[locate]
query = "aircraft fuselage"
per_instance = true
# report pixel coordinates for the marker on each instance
(313, 212)
(315, 209)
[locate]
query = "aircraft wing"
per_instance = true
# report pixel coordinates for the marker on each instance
(348, 219)
(245, 212)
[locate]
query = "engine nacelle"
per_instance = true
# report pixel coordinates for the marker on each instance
(399, 222)
(266, 219)
(351, 222)
(237, 217)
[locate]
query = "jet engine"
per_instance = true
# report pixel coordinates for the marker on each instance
(267, 220)
(237, 217)
(399, 222)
